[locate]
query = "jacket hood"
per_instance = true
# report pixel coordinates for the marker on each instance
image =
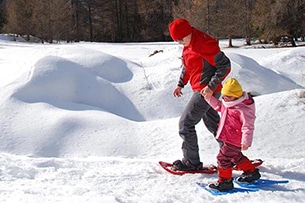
(245, 98)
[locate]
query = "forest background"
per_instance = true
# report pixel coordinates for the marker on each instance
(147, 20)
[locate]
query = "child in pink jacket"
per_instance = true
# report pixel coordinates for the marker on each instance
(235, 130)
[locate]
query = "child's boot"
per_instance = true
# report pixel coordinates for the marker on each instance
(224, 182)
(250, 173)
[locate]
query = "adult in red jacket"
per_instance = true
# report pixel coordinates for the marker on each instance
(205, 66)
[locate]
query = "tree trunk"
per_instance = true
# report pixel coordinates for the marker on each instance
(90, 22)
(230, 42)
(248, 40)
(76, 19)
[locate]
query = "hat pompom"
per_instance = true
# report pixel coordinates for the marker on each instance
(179, 28)
(232, 88)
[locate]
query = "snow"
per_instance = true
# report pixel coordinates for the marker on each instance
(88, 122)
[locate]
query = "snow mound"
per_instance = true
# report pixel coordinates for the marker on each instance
(287, 106)
(109, 67)
(60, 82)
(289, 63)
(256, 78)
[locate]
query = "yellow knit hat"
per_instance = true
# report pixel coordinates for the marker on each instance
(232, 88)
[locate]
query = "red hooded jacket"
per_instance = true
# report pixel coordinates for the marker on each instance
(204, 63)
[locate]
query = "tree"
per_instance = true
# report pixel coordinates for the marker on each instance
(51, 20)
(292, 17)
(282, 17)
(219, 18)
(75, 14)
(2, 18)
(154, 19)
(19, 15)
(249, 4)
(196, 12)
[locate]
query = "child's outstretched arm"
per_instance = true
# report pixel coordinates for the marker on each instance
(213, 101)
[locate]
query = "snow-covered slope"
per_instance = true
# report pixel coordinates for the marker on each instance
(87, 122)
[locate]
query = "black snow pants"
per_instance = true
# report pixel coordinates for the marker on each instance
(196, 109)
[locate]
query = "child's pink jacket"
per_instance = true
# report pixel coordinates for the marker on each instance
(237, 119)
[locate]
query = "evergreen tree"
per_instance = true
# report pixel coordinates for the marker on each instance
(2, 18)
